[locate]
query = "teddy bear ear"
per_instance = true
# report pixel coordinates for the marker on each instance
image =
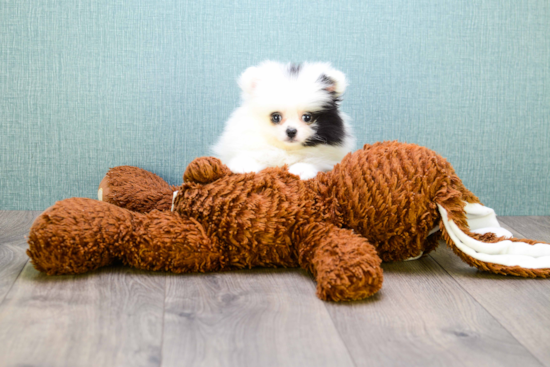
(334, 80)
(205, 170)
(249, 80)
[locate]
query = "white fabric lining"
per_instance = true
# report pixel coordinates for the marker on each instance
(505, 252)
(415, 257)
(173, 199)
(435, 229)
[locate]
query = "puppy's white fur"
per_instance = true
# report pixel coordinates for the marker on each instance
(251, 142)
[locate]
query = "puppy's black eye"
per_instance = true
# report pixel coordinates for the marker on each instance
(276, 117)
(306, 117)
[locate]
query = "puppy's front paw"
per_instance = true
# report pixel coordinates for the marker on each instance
(304, 170)
(244, 165)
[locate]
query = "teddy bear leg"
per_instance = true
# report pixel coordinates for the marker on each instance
(79, 235)
(135, 189)
(345, 265)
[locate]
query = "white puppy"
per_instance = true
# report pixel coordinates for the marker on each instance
(289, 115)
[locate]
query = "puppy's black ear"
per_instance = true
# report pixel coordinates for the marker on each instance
(249, 80)
(334, 80)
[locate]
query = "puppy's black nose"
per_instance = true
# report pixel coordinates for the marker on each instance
(291, 132)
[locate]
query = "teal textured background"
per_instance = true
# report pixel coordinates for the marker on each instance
(88, 85)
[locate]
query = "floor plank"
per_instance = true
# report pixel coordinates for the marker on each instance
(111, 317)
(520, 305)
(536, 228)
(249, 318)
(14, 226)
(423, 318)
(431, 312)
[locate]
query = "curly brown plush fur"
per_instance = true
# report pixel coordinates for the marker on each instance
(378, 204)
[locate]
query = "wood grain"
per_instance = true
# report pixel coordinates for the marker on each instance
(431, 312)
(14, 225)
(520, 305)
(537, 228)
(112, 317)
(423, 318)
(249, 318)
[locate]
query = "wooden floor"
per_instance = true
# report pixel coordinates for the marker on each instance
(435, 311)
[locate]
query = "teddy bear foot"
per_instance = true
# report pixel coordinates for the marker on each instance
(64, 239)
(346, 267)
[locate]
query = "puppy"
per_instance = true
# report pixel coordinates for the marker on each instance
(289, 115)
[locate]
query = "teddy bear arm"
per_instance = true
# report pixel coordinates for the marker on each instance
(346, 266)
(135, 189)
(168, 241)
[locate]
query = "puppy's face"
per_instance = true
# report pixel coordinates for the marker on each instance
(295, 105)
(292, 126)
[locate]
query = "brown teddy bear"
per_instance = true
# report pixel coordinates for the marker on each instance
(386, 202)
